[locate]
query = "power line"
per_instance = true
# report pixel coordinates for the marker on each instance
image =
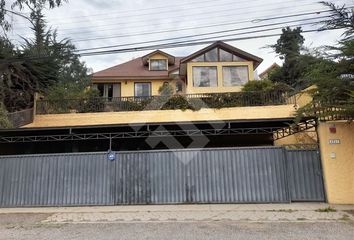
(218, 4)
(201, 13)
(264, 18)
(193, 28)
(173, 44)
(169, 45)
(208, 33)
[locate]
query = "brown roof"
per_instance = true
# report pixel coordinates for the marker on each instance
(238, 52)
(135, 69)
(270, 68)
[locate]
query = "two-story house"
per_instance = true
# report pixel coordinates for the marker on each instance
(217, 68)
(132, 145)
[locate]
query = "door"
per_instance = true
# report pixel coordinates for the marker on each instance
(305, 175)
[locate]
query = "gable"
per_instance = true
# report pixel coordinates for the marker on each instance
(158, 54)
(218, 54)
(221, 51)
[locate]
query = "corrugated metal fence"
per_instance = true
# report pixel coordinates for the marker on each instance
(232, 175)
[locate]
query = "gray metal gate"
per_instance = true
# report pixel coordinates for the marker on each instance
(227, 175)
(305, 175)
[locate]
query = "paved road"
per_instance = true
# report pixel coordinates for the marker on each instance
(29, 226)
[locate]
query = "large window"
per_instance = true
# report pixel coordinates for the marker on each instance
(205, 77)
(235, 76)
(108, 90)
(158, 64)
(142, 89)
(218, 55)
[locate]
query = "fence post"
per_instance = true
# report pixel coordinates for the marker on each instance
(35, 97)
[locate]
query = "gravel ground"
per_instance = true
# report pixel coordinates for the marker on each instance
(29, 226)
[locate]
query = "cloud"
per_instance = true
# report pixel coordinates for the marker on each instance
(86, 21)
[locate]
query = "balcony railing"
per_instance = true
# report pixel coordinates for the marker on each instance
(181, 101)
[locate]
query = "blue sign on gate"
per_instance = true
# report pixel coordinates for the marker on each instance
(111, 155)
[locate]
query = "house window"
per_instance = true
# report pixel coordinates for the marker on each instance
(225, 56)
(142, 89)
(235, 76)
(212, 55)
(158, 64)
(108, 90)
(179, 86)
(205, 77)
(218, 55)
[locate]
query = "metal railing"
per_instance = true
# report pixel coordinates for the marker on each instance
(20, 118)
(178, 101)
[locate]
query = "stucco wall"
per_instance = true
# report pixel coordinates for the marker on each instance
(205, 114)
(338, 161)
(127, 86)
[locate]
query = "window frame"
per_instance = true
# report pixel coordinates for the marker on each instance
(234, 66)
(150, 89)
(217, 77)
(158, 59)
(202, 56)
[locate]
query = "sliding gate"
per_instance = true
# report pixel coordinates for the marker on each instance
(227, 175)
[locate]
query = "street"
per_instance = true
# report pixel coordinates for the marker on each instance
(213, 221)
(25, 229)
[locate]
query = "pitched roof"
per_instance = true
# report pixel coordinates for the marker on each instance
(238, 52)
(171, 59)
(270, 68)
(135, 69)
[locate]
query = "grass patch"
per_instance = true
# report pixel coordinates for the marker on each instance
(327, 209)
(345, 217)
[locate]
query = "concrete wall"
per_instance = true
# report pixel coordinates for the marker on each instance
(159, 116)
(338, 161)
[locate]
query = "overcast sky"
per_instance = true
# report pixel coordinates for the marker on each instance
(99, 23)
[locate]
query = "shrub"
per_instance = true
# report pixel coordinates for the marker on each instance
(166, 89)
(265, 92)
(4, 121)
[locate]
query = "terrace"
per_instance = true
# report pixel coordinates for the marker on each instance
(162, 109)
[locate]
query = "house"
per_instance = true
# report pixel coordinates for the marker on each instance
(270, 69)
(217, 68)
(206, 143)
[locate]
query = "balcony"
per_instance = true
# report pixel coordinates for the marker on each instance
(176, 108)
(187, 101)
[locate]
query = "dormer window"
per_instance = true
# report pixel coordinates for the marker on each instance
(158, 65)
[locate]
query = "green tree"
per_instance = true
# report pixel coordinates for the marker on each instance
(7, 10)
(288, 48)
(44, 65)
(334, 74)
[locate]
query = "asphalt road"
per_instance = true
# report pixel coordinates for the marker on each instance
(28, 226)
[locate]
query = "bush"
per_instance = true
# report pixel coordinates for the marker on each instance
(4, 121)
(90, 101)
(177, 102)
(166, 89)
(265, 92)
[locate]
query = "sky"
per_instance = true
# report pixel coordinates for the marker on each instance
(101, 23)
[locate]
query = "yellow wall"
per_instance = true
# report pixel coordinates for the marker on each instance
(127, 86)
(338, 172)
(158, 56)
(304, 97)
(220, 88)
(159, 116)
